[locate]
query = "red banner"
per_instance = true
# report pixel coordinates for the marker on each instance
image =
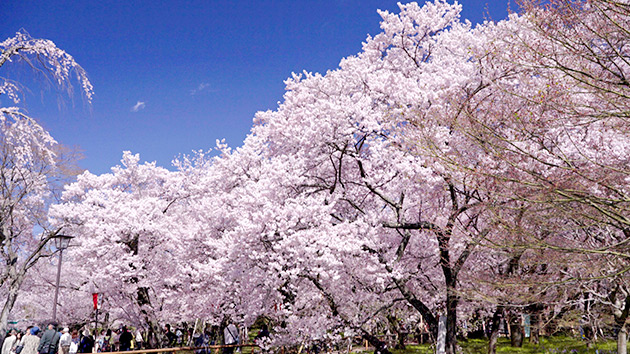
(95, 299)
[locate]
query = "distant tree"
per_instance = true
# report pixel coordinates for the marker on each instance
(140, 242)
(31, 164)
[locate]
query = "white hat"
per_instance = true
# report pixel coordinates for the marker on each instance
(66, 330)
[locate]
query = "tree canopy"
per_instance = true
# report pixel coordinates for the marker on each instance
(445, 170)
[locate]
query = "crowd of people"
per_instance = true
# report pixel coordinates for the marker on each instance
(54, 340)
(64, 341)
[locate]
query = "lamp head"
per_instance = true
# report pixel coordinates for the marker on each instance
(62, 241)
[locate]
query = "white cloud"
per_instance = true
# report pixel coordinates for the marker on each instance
(139, 106)
(202, 86)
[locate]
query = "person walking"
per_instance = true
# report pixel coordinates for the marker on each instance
(139, 339)
(74, 346)
(107, 341)
(169, 337)
(87, 342)
(65, 341)
(19, 343)
(50, 340)
(116, 340)
(31, 341)
(230, 337)
(9, 342)
(125, 339)
(98, 341)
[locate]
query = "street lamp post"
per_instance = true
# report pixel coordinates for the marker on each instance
(61, 242)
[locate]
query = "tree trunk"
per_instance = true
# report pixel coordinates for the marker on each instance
(423, 309)
(402, 337)
(14, 287)
(622, 340)
(620, 313)
(452, 300)
(494, 330)
(515, 323)
(534, 322)
(516, 333)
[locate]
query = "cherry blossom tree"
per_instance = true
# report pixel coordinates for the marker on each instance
(354, 182)
(74, 303)
(31, 164)
(438, 155)
(134, 239)
(553, 136)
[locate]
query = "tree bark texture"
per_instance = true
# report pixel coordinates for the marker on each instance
(494, 330)
(452, 300)
(622, 340)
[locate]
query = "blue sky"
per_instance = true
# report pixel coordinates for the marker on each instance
(171, 77)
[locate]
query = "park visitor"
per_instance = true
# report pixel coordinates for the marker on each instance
(74, 346)
(65, 341)
(230, 337)
(50, 340)
(9, 342)
(87, 342)
(30, 341)
(99, 341)
(17, 347)
(169, 337)
(125, 339)
(139, 339)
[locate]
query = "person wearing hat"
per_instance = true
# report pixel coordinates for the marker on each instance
(65, 341)
(50, 340)
(87, 342)
(30, 341)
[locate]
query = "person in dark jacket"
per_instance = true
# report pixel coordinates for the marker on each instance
(50, 340)
(125, 340)
(87, 343)
(169, 337)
